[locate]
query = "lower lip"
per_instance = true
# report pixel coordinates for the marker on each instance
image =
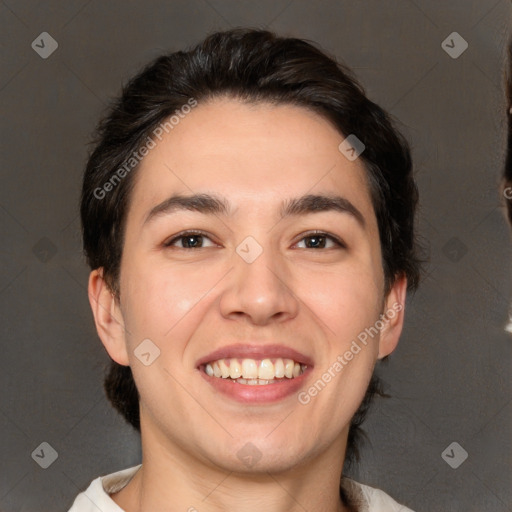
(264, 393)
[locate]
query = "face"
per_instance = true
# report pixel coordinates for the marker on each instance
(271, 276)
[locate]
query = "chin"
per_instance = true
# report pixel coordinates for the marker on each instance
(263, 464)
(260, 454)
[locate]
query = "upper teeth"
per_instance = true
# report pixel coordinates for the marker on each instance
(265, 369)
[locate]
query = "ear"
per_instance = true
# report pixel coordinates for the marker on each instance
(393, 317)
(107, 317)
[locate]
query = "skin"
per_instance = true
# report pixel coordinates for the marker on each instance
(190, 302)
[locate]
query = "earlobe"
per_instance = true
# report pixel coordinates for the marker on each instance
(394, 310)
(107, 317)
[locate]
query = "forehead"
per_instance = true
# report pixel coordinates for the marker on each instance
(256, 153)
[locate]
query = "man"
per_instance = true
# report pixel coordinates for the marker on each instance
(248, 217)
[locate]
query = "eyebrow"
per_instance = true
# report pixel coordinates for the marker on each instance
(208, 204)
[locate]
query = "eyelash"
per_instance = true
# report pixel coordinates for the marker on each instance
(310, 234)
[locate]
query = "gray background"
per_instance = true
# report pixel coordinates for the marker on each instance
(449, 378)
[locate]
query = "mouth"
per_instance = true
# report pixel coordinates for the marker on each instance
(254, 372)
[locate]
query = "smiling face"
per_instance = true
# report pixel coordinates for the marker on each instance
(251, 246)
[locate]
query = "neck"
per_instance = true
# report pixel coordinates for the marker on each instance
(171, 479)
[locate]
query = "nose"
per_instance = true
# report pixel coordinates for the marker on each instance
(260, 291)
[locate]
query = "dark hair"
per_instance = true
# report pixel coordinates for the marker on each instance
(507, 172)
(253, 66)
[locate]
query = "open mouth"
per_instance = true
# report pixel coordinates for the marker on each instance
(254, 372)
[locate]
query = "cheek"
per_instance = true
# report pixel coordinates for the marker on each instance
(347, 300)
(346, 303)
(159, 300)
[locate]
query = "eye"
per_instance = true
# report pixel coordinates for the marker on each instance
(319, 240)
(196, 240)
(190, 239)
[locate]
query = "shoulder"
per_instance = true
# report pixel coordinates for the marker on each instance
(97, 495)
(370, 499)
